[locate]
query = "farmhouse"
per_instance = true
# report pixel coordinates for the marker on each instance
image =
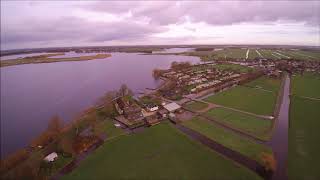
(172, 107)
(51, 157)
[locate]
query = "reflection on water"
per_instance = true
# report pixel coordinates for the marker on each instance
(32, 93)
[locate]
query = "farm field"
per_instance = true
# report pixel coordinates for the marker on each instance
(240, 53)
(160, 151)
(246, 99)
(196, 106)
(268, 54)
(107, 127)
(228, 139)
(253, 125)
(235, 67)
(269, 84)
(307, 85)
(235, 53)
(253, 54)
(303, 155)
(303, 55)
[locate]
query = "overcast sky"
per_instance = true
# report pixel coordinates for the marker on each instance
(78, 23)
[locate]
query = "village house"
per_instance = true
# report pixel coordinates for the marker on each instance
(51, 157)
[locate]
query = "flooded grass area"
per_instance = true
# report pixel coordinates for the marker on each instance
(228, 139)
(253, 125)
(162, 152)
(246, 99)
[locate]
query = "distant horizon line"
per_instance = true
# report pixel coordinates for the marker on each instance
(88, 46)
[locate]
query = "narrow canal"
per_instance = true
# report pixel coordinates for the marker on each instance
(279, 140)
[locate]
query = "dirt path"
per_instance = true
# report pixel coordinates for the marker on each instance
(226, 152)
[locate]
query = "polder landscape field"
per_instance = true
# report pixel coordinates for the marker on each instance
(160, 151)
(303, 157)
(250, 53)
(240, 119)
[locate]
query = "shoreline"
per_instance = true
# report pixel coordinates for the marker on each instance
(46, 59)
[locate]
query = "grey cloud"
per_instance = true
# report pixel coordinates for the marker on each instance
(215, 12)
(73, 29)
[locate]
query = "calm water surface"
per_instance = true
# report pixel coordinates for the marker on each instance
(32, 93)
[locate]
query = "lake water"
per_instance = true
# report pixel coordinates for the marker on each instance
(31, 94)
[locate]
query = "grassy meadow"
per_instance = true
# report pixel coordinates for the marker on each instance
(246, 99)
(228, 139)
(253, 125)
(303, 155)
(159, 152)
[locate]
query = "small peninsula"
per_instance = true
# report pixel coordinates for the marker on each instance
(46, 58)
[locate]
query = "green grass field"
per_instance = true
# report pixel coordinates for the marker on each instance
(303, 55)
(266, 83)
(307, 85)
(228, 139)
(240, 53)
(253, 54)
(235, 67)
(235, 53)
(246, 99)
(109, 129)
(159, 152)
(304, 156)
(196, 106)
(253, 125)
(266, 53)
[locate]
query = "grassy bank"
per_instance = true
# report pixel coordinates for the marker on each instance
(228, 139)
(46, 59)
(159, 152)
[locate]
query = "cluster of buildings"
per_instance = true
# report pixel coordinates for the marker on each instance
(275, 67)
(197, 78)
(134, 113)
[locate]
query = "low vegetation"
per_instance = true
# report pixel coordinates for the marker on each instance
(246, 99)
(46, 59)
(253, 125)
(160, 151)
(307, 85)
(228, 139)
(265, 83)
(303, 155)
(196, 106)
(234, 67)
